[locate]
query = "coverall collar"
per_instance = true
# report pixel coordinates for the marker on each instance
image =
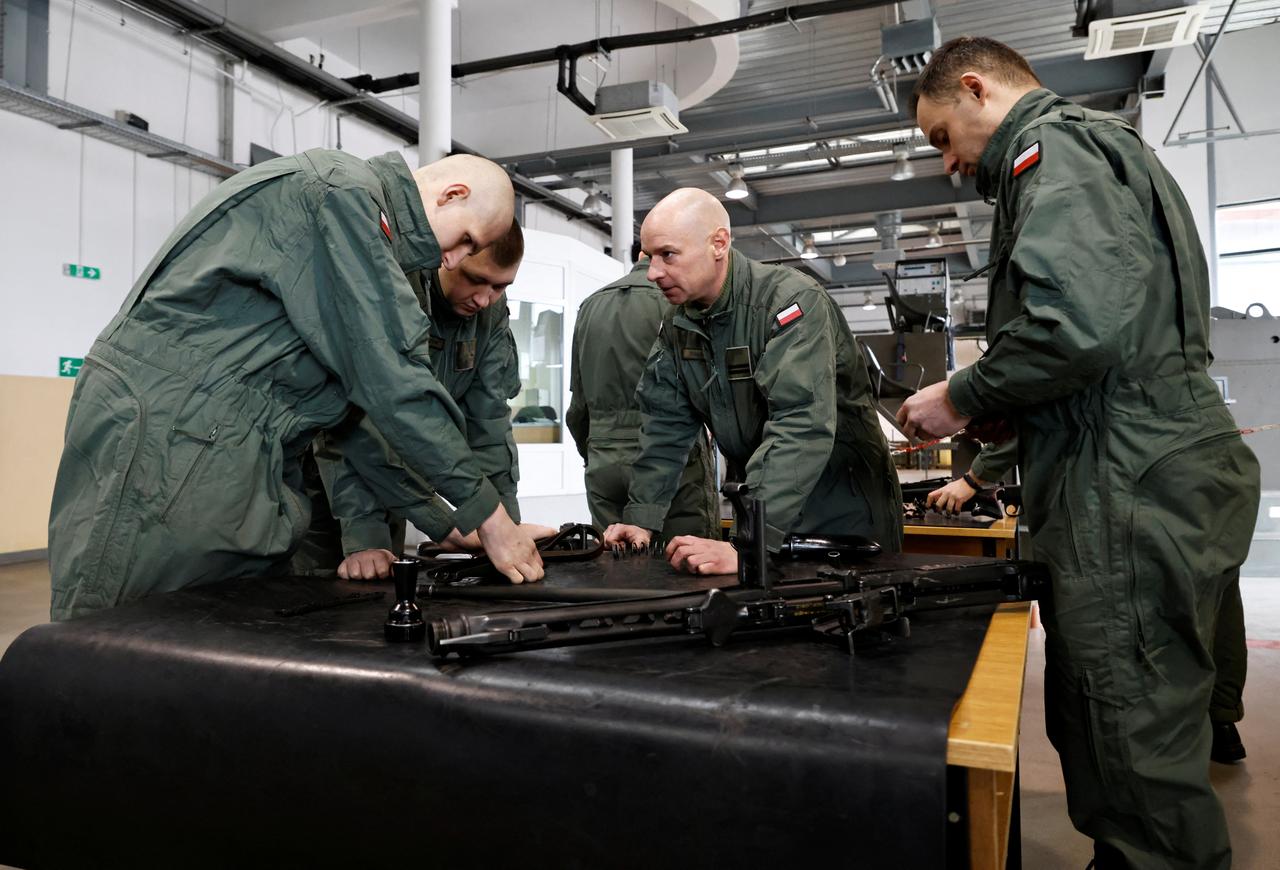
(412, 239)
(441, 309)
(721, 305)
(1030, 106)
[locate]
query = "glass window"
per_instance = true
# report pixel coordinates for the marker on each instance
(1249, 255)
(537, 412)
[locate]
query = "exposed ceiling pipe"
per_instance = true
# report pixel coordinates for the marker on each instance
(188, 17)
(567, 56)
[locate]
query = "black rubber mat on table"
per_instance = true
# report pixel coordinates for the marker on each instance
(202, 729)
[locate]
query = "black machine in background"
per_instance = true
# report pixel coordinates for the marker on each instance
(844, 599)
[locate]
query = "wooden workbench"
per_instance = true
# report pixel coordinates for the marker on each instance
(996, 539)
(983, 736)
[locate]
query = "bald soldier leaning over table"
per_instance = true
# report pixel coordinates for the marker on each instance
(764, 357)
(276, 309)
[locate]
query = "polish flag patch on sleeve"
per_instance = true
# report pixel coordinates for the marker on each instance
(382, 222)
(1028, 158)
(790, 314)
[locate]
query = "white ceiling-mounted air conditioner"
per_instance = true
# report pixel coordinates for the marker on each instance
(1112, 33)
(637, 110)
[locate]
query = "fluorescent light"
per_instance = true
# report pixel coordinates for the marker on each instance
(902, 163)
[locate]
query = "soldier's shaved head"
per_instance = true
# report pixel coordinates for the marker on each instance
(687, 237)
(469, 203)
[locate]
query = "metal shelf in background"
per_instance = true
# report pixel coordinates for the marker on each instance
(67, 116)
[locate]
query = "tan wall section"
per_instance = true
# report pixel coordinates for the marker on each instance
(34, 412)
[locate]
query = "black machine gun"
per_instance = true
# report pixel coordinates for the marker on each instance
(993, 503)
(840, 601)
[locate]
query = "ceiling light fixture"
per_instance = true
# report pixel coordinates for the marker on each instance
(737, 188)
(839, 260)
(935, 237)
(594, 203)
(902, 163)
(867, 304)
(810, 251)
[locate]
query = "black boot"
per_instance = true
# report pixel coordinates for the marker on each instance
(1227, 748)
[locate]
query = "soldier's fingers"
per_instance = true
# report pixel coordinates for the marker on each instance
(679, 541)
(510, 572)
(343, 573)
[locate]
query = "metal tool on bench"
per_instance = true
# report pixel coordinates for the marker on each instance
(839, 603)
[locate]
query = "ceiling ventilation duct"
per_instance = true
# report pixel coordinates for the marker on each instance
(1116, 27)
(637, 110)
(907, 47)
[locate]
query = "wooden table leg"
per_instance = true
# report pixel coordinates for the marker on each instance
(991, 794)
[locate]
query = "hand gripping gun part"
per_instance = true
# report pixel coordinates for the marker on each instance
(844, 605)
(574, 542)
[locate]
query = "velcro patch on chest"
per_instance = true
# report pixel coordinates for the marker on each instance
(386, 226)
(1028, 158)
(737, 363)
(464, 356)
(692, 353)
(789, 315)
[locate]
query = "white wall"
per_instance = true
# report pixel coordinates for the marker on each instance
(562, 271)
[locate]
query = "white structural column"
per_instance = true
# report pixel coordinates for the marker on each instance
(623, 207)
(435, 97)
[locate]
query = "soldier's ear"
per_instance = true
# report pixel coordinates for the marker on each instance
(720, 242)
(974, 86)
(453, 192)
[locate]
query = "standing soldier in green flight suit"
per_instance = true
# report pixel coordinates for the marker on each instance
(276, 308)
(473, 355)
(1138, 490)
(764, 357)
(614, 331)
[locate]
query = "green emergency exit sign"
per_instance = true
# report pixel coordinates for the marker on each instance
(69, 366)
(75, 270)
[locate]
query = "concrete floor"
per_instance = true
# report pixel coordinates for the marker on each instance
(1250, 791)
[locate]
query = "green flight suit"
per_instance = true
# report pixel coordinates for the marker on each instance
(475, 359)
(615, 329)
(772, 369)
(1230, 655)
(1138, 491)
(275, 308)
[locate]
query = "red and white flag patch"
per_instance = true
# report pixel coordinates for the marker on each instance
(790, 314)
(386, 227)
(1028, 158)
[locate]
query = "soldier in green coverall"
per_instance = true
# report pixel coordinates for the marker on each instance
(474, 357)
(1230, 655)
(614, 331)
(274, 310)
(1138, 490)
(764, 357)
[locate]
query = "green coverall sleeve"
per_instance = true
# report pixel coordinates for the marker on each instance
(576, 417)
(1072, 265)
(488, 415)
(994, 461)
(797, 374)
(355, 453)
(362, 320)
(669, 426)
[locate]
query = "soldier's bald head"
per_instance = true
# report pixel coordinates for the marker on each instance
(686, 236)
(469, 203)
(688, 211)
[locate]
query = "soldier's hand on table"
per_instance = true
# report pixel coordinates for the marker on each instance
(367, 565)
(951, 497)
(702, 555)
(457, 542)
(930, 414)
(539, 533)
(623, 535)
(510, 548)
